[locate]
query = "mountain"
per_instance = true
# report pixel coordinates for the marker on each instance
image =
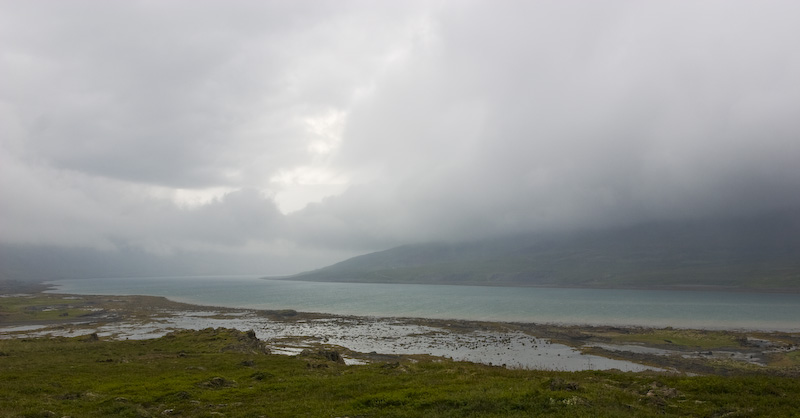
(757, 253)
(43, 262)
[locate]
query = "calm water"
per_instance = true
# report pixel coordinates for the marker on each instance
(661, 308)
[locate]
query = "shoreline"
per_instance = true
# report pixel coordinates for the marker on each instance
(679, 288)
(743, 324)
(368, 338)
(686, 287)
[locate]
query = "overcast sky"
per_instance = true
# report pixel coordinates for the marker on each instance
(298, 133)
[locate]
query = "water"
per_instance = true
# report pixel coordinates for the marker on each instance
(388, 336)
(653, 308)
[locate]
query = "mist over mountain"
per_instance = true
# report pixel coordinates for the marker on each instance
(275, 137)
(759, 253)
(37, 263)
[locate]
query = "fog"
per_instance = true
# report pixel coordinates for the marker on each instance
(275, 137)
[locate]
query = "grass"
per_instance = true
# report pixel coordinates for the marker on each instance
(38, 308)
(786, 360)
(699, 339)
(227, 373)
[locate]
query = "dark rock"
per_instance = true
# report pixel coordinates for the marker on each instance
(248, 343)
(331, 355)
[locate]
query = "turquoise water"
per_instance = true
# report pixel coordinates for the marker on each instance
(657, 308)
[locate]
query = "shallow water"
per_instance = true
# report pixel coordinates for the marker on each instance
(20, 328)
(652, 308)
(364, 335)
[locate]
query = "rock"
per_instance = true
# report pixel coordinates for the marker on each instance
(331, 355)
(248, 343)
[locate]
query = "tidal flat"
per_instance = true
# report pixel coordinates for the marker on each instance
(143, 356)
(290, 332)
(362, 340)
(133, 356)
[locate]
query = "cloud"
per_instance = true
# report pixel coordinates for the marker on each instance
(579, 116)
(325, 129)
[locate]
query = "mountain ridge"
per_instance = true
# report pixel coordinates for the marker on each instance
(757, 253)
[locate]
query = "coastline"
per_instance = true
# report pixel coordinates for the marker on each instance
(684, 287)
(557, 306)
(367, 339)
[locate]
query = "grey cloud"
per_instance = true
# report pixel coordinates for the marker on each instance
(461, 120)
(584, 120)
(174, 95)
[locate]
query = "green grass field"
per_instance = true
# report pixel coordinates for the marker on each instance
(214, 373)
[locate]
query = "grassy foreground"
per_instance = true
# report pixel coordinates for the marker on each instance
(213, 373)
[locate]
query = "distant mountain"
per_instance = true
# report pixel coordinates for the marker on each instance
(759, 253)
(42, 263)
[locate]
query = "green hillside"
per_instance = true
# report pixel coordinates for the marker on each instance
(760, 253)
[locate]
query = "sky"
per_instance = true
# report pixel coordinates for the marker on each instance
(279, 136)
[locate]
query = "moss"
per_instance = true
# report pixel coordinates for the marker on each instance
(687, 338)
(189, 373)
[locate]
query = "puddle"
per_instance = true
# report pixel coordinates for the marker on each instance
(354, 361)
